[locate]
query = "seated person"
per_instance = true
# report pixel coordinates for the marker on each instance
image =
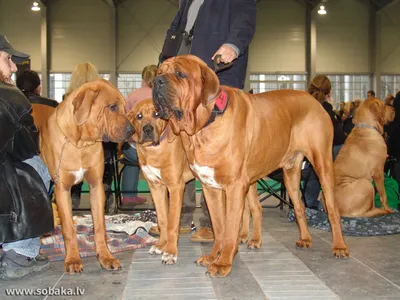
(29, 83)
(320, 88)
(24, 191)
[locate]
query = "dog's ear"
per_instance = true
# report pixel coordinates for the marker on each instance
(210, 86)
(376, 110)
(389, 114)
(83, 102)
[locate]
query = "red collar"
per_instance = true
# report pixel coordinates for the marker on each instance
(221, 103)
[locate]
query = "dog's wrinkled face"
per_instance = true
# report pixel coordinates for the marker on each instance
(99, 112)
(182, 85)
(376, 111)
(147, 122)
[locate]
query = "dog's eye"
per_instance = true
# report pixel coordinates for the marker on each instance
(180, 74)
(156, 114)
(113, 107)
(139, 116)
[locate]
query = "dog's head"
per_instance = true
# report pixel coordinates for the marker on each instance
(374, 111)
(99, 112)
(183, 87)
(147, 122)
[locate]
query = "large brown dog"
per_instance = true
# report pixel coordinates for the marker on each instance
(70, 144)
(362, 159)
(251, 136)
(165, 166)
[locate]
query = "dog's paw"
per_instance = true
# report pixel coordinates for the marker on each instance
(304, 243)
(219, 270)
(169, 259)
(205, 260)
(244, 237)
(110, 263)
(155, 250)
(73, 266)
(254, 244)
(340, 252)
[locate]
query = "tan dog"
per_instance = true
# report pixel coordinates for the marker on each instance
(362, 159)
(70, 144)
(165, 166)
(232, 139)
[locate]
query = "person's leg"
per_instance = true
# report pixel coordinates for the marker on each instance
(204, 233)
(76, 194)
(312, 188)
(189, 204)
(22, 257)
(130, 178)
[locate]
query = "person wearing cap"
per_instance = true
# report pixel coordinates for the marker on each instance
(29, 83)
(24, 179)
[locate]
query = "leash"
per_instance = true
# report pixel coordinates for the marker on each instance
(217, 62)
(363, 125)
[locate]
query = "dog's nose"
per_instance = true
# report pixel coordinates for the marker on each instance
(160, 80)
(148, 129)
(130, 130)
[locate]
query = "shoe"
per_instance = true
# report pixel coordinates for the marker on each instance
(133, 200)
(204, 235)
(14, 265)
(155, 231)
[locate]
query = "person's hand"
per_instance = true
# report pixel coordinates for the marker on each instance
(228, 54)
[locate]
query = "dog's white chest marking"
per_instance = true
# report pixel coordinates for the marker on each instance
(206, 175)
(153, 174)
(78, 175)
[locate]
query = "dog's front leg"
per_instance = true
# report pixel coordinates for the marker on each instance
(235, 198)
(73, 262)
(170, 255)
(379, 180)
(215, 200)
(97, 201)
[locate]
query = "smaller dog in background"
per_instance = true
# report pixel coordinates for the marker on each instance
(361, 160)
(166, 169)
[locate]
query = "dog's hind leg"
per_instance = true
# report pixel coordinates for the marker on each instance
(323, 165)
(256, 214)
(291, 175)
(245, 230)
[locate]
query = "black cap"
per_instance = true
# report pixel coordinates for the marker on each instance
(5, 46)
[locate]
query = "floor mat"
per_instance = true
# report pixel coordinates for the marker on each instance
(382, 225)
(120, 237)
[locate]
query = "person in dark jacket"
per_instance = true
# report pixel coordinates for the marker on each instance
(210, 28)
(394, 138)
(320, 88)
(25, 205)
(29, 83)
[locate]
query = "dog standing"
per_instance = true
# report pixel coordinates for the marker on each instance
(232, 139)
(70, 144)
(165, 166)
(361, 160)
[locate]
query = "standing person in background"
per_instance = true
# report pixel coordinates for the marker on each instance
(130, 175)
(394, 138)
(370, 94)
(209, 28)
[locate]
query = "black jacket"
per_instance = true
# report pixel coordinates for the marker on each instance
(25, 208)
(37, 99)
(18, 135)
(218, 23)
(338, 134)
(394, 136)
